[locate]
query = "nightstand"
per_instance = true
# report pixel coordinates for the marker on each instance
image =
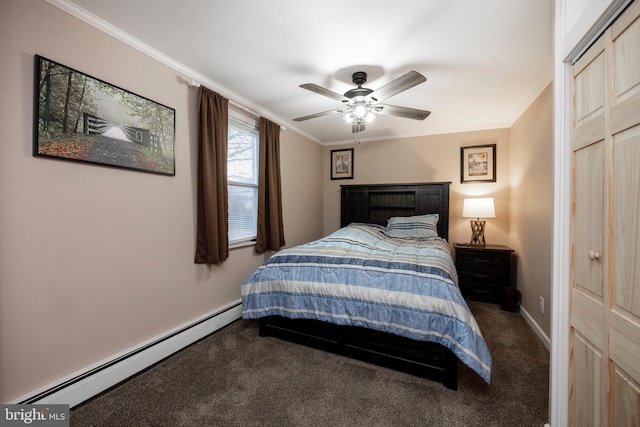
(486, 273)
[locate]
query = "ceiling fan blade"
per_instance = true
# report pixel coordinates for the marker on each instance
(405, 112)
(357, 128)
(313, 116)
(402, 83)
(324, 92)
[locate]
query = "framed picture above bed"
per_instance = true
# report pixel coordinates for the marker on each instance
(478, 163)
(342, 164)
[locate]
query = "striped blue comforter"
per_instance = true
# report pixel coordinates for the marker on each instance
(359, 276)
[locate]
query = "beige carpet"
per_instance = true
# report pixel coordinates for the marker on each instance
(236, 378)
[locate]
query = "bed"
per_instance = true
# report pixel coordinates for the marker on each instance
(383, 288)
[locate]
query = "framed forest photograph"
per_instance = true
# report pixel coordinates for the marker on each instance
(81, 118)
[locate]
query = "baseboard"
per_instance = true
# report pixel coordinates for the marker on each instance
(83, 385)
(536, 328)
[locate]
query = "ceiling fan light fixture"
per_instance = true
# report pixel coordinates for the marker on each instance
(370, 116)
(360, 110)
(359, 114)
(348, 116)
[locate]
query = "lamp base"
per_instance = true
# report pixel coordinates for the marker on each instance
(477, 233)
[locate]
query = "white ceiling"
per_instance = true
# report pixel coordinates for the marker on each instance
(485, 61)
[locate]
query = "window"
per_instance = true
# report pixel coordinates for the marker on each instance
(242, 176)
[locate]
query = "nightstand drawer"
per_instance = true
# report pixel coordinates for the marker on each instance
(475, 259)
(483, 266)
(498, 277)
(491, 294)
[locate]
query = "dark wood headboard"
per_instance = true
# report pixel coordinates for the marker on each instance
(376, 203)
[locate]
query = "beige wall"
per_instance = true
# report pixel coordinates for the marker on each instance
(429, 159)
(96, 260)
(532, 204)
(302, 188)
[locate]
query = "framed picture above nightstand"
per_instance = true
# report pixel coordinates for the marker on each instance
(486, 273)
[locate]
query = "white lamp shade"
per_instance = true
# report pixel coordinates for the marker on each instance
(478, 208)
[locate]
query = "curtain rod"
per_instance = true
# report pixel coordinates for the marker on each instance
(194, 83)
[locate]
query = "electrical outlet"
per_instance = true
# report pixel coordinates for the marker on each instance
(541, 305)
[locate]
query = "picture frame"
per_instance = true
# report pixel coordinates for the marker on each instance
(342, 164)
(478, 163)
(80, 118)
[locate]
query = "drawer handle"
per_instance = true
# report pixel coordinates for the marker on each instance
(484, 276)
(482, 260)
(482, 291)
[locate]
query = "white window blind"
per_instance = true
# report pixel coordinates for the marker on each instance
(242, 176)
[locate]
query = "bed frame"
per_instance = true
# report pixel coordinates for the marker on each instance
(376, 204)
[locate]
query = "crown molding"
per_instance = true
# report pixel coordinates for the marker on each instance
(190, 74)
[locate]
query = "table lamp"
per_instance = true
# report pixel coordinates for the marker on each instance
(478, 208)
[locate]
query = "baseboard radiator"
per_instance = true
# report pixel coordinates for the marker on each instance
(85, 384)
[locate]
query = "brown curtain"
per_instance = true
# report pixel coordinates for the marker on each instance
(270, 233)
(212, 240)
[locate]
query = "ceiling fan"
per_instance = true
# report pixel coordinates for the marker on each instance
(362, 104)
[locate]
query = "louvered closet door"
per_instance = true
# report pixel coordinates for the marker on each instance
(605, 294)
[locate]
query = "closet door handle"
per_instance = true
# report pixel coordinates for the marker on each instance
(594, 255)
